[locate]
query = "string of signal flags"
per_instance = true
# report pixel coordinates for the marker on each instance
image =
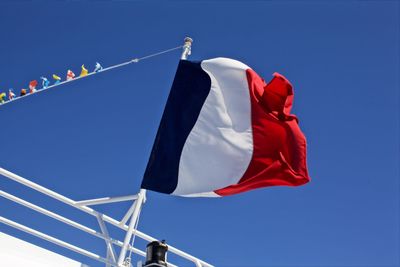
(46, 83)
(10, 96)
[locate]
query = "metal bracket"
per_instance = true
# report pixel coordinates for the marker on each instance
(105, 200)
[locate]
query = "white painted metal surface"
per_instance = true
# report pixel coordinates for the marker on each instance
(66, 221)
(187, 48)
(70, 202)
(105, 200)
(111, 255)
(52, 240)
(131, 229)
(17, 253)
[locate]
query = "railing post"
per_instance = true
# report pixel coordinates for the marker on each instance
(131, 227)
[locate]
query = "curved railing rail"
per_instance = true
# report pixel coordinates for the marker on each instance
(111, 257)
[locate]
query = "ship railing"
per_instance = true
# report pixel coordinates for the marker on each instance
(111, 257)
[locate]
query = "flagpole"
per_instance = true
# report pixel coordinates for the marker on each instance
(187, 48)
(142, 193)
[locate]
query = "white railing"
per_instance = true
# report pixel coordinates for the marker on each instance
(111, 258)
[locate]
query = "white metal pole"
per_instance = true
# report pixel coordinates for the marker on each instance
(92, 212)
(67, 221)
(131, 227)
(105, 200)
(128, 214)
(110, 249)
(187, 48)
(141, 196)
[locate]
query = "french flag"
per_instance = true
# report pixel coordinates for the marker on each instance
(225, 131)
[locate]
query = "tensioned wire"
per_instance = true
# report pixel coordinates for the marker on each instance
(135, 60)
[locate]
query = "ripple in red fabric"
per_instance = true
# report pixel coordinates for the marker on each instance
(279, 155)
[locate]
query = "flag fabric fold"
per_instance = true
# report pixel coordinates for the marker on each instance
(225, 131)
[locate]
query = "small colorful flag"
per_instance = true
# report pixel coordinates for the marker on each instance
(45, 82)
(23, 92)
(70, 75)
(32, 86)
(11, 94)
(84, 71)
(98, 67)
(2, 97)
(57, 78)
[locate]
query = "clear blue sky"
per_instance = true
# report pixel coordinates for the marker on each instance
(92, 138)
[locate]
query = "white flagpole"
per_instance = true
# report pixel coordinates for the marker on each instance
(187, 48)
(142, 193)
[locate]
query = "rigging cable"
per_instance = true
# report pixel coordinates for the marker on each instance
(135, 60)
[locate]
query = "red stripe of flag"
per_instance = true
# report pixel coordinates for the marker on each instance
(279, 155)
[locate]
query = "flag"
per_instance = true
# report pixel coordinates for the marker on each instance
(11, 94)
(70, 75)
(45, 82)
(97, 67)
(32, 86)
(84, 71)
(225, 131)
(57, 78)
(2, 97)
